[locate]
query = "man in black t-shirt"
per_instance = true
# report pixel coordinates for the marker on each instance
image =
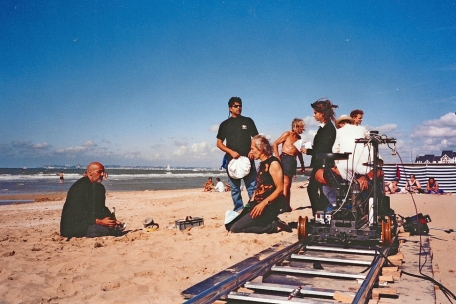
(238, 131)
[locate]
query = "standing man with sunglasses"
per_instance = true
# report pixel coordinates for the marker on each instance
(238, 131)
(84, 213)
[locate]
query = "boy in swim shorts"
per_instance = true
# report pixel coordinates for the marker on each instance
(288, 156)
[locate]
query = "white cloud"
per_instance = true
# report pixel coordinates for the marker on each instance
(433, 136)
(21, 144)
(180, 151)
(180, 143)
(199, 147)
(384, 129)
(449, 119)
(196, 150)
(71, 150)
(435, 131)
(131, 154)
(214, 128)
(89, 143)
(310, 122)
(41, 146)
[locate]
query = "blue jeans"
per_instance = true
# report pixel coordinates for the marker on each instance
(235, 184)
(330, 194)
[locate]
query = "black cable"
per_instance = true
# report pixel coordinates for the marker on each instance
(423, 276)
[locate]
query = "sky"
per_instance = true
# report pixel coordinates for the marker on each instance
(146, 83)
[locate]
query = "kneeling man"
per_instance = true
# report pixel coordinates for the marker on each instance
(84, 213)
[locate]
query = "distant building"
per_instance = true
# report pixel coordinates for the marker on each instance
(447, 157)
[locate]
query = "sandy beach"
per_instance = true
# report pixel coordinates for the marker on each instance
(39, 266)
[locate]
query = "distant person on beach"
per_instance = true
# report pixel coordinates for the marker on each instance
(357, 116)
(84, 213)
(237, 131)
(432, 187)
(392, 187)
(413, 185)
(288, 141)
(61, 176)
(268, 200)
(209, 185)
(219, 186)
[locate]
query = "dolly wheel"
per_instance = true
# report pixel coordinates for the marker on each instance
(389, 237)
(386, 232)
(302, 228)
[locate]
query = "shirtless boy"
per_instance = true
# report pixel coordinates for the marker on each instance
(288, 156)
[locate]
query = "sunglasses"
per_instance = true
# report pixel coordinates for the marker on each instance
(237, 106)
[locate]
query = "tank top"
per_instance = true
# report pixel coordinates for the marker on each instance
(265, 184)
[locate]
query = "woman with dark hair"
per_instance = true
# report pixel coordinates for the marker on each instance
(261, 214)
(432, 187)
(323, 142)
(413, 185)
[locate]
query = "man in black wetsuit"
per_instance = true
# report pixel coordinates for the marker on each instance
(238, 131)
(84, 213)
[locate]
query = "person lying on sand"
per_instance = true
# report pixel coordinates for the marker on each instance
(392, 187)
(84, 213)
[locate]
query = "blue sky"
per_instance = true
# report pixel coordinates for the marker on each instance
(147, 82)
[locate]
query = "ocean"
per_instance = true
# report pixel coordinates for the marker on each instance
(41, 180)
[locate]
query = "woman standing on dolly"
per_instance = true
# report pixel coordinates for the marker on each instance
(323, 142)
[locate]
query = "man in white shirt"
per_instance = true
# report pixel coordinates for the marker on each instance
(219, 186)
(360, 153)
(355, 166)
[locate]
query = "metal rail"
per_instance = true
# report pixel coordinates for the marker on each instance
(243, 276)
(238, 279)
(364, 292)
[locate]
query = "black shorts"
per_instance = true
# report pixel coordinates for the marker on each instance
(289, 164)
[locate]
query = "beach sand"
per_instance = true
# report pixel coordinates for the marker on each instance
(37, 265)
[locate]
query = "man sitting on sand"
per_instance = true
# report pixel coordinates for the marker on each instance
(209, 185)
(84, 213)
(219, 186)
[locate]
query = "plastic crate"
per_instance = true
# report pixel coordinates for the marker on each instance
(189, 222)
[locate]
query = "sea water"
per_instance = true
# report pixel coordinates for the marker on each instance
(40, 180)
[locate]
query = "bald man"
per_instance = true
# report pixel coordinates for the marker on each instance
(84, 213)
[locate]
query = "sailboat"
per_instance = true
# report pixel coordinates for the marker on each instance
(168, 170)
